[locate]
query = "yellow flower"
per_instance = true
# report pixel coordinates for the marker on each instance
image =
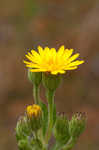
(50, 60)
(33, 110)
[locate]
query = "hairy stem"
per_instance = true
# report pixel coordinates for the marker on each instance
(36, 93)
(50, 98)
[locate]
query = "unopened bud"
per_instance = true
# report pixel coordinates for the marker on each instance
(35, 77)
(22, 128)
(77, 124)
(24, 145)
(34, 115)
(61, 130)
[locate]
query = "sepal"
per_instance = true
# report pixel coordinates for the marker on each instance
(35, 77)
(51, 82)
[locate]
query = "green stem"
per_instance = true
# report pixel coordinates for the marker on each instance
(50, 98)
(36, 136)
(36, 93)
(69, 144)
(57, 146)
(40, 137)
(44, 148)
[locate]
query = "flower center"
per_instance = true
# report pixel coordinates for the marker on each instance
(50, 61)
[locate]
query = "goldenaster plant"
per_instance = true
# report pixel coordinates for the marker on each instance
(40, 122)
(50, 60)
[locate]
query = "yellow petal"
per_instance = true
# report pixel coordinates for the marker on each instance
(46, 53)
(67, 53)
(35, 54)
(33, 59)
(38, 70)
(76, 63)
(26, 62)
(61, 71)
(30, 54)
(33, 66)
(53, 53)
(46, 49)
(30, 58)
(73, 57)
(54, 72)
(60, 51)
(71, 68)
(40, 49)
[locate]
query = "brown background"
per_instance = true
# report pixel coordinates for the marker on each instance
(26, 24)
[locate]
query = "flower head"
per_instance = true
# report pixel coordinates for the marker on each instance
(50, 60)
(33, 110)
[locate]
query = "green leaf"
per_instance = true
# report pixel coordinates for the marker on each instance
(44, 117)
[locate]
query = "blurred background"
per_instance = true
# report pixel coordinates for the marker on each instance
(26, 24)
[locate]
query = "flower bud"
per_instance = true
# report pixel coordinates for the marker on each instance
(51, 82)
(61, 129)
(24, 145)
(77, 124)
(34, 115)
(22, 128)
(35, 77)
(25, 135)
(30, 144)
